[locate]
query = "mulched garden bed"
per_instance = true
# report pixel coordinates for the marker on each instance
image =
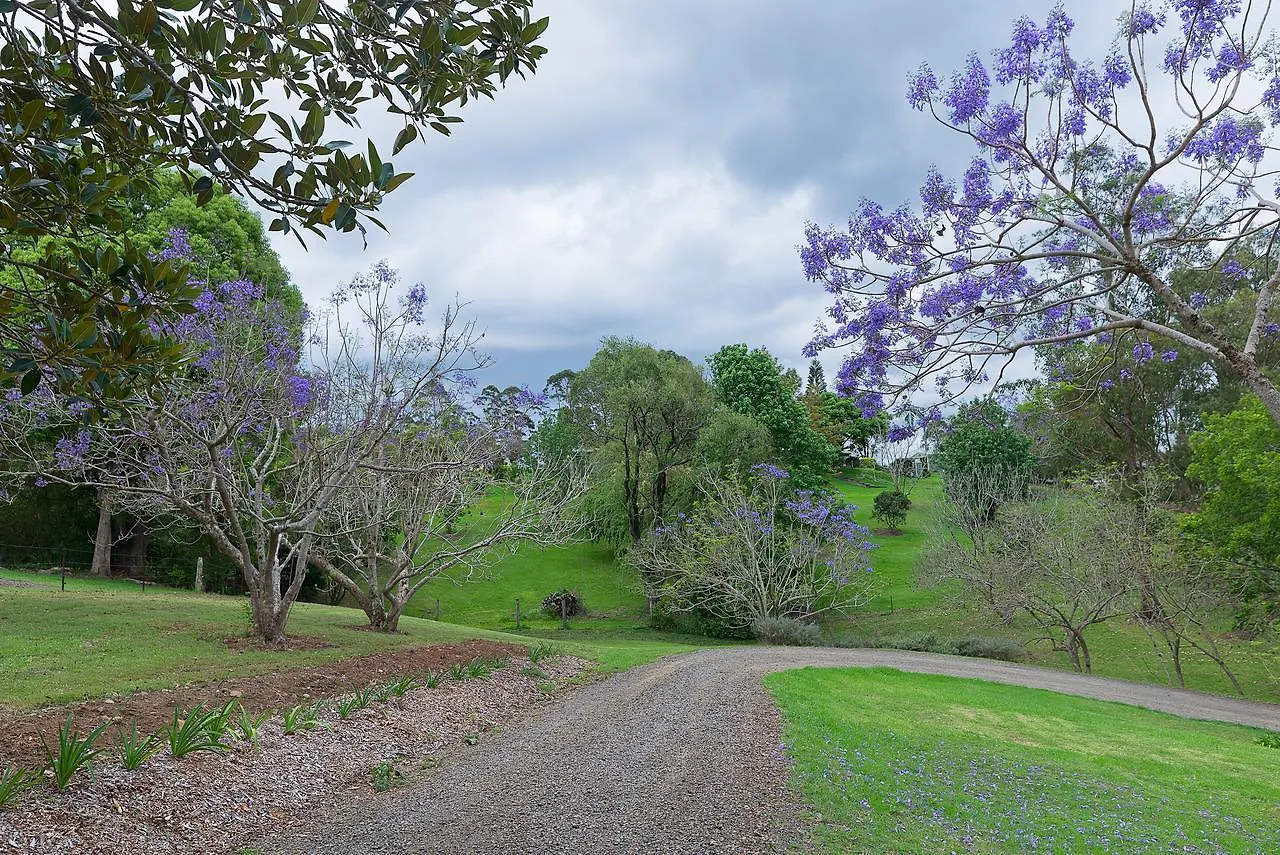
(219, 803)
(20, 732)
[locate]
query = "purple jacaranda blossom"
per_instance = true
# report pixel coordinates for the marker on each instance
(770, 470)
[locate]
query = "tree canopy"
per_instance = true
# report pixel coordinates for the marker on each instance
(99, 99)
(1089, 193)
(753, 383)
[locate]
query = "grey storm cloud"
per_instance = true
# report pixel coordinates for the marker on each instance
(653, 178)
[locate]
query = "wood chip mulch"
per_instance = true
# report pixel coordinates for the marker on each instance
(20, 732)
(212, 803)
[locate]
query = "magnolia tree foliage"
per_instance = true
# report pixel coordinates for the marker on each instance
(756, 550)
(1095, 184)
(97, 97)
(253, 443)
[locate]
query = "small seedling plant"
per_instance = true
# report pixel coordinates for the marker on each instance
(433, 679)
(385, 776)
(134, 750)
(301, 717)
(73, 754)
(401, 687)
(15, 782)
(356, 701)
(247, 725)
(542, 651)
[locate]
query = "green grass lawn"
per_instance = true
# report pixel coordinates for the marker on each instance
(610, 592)
(896, 762)
(110, 637)
(895, 556)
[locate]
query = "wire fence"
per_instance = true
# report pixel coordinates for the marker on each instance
(25, 556)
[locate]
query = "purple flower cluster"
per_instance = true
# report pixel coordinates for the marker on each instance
(997, 257)
(769, 470)
(69, 451)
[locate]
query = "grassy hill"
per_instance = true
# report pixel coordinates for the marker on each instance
(105, 637)
(610, 592)
(109, 636)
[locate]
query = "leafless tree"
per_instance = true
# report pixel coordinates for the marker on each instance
(1068, 561)
(428, 505)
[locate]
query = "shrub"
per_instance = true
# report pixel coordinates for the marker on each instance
(73, 752)
(987, 647)
(697, 622)
(981, 646)
(789, 631)
(563, 603)
(15, 782)
(890, 507)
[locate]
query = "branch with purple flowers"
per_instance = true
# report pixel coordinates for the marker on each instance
(1082, 204)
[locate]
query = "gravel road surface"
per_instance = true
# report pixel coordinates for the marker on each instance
(679, 756)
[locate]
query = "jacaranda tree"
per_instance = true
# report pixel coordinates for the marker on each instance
(1095, 184)
(257, 439)
(756, 549)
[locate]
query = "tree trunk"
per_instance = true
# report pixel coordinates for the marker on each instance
(1175, 651)
(1262, 386)
(102, 540)
(1084, 653)
(270, 614)
(1072, 652)
(138, 550)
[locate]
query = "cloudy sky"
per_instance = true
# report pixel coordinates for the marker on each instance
(654, 177)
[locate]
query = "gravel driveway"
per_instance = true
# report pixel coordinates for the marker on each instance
(679, 756)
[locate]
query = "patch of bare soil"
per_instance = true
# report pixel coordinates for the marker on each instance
(887, 532)
(215, 803)
(18, 583)
(20, 732)
(241, 643)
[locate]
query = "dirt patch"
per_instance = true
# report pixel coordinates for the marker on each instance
(887, 532)
(293, 642)
(17, 583)
(20, 732)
